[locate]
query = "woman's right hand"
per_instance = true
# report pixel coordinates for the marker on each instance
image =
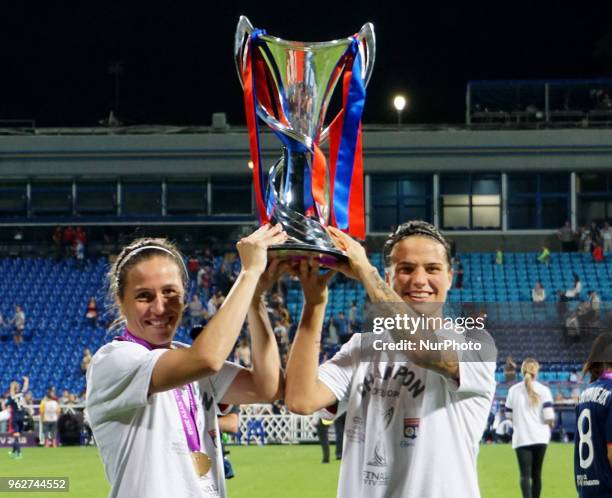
(253, 250)
(314, 285)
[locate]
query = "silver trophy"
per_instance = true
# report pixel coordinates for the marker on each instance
(289, 86)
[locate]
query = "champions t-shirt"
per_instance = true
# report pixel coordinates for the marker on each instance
(141, 438)
(409, 432)
(593, 435)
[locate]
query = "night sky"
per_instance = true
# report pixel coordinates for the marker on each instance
(178, 61)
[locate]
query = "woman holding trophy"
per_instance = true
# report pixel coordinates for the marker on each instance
(152, 402)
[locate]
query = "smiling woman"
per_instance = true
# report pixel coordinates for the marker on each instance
(151, 401)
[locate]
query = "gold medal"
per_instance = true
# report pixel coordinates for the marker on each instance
(201, 462)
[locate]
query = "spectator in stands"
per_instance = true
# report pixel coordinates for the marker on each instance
(509, 369)
(91, 313)
(459, 277)
(18, 323)
(204, 283)
(530, 407)
(538, 293)
(243, 353)
(193, 267)
(15, 402)
(566, 236)
(65, 397)
(499, 257)
(281, 332)
(574, 292)
(595, 235)
(49, 414)
(85, 361)
(592, 456)
(214, 303)
(195, 310)
(79, 253)
(598, 254)
(148, 446)
(606, 235)
(544, 256)
(585, 239)
(458, 394)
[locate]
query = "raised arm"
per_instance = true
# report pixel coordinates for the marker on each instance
(391, 304)
(214, 344)
(264, 381)
(304, 392)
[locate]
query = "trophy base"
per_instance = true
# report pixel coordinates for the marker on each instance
(297, 252)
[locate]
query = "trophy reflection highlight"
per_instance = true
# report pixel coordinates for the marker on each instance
(288, 85)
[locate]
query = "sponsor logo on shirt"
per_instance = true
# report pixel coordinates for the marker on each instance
(390, 382)
(582, 480)
(379, 459)
(411, 431)
(354, 432)
(375, 478)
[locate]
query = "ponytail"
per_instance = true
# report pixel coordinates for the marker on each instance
(530, 368)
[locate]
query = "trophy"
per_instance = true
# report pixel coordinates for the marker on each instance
(289, 85)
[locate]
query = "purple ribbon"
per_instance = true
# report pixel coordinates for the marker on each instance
(606, 375)
(188, 418)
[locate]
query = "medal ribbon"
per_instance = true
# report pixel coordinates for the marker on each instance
(188, 418)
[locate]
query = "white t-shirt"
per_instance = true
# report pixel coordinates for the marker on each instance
(530, 421)
(51, 409)
(409, 432)
(141, 439)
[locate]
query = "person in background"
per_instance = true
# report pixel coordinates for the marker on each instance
(538, 293)
(49, 414)
(85, 361)
(91, 313)
(574, 292)
(606, 235)
(544, 256)
(15, 402)
(18, 323)
(530, 407)
(593, 441)
(598, 253)
(509, 369)
(566, 236)
(499, 257)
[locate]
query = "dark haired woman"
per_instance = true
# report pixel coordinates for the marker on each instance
(593, 439)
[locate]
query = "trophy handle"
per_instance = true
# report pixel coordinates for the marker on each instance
(368, 49)
(244, 29)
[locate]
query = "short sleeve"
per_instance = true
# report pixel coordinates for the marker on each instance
(548, 412)
(221, 381)
(475, 377)
(118, 379)
(337, 373)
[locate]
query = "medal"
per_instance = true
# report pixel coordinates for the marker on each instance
(201, 462)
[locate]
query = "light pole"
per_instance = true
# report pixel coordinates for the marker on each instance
(399, 102)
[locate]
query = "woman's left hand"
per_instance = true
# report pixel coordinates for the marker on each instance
(275, 269)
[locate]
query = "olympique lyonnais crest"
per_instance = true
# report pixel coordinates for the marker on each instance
(411, 427)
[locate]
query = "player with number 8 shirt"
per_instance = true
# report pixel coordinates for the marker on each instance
(593, 440)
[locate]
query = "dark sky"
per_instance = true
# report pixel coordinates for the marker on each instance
(178, 61)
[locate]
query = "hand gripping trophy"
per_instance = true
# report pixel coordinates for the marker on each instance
(288, 85)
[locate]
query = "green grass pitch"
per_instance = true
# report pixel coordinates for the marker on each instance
(284, 471)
